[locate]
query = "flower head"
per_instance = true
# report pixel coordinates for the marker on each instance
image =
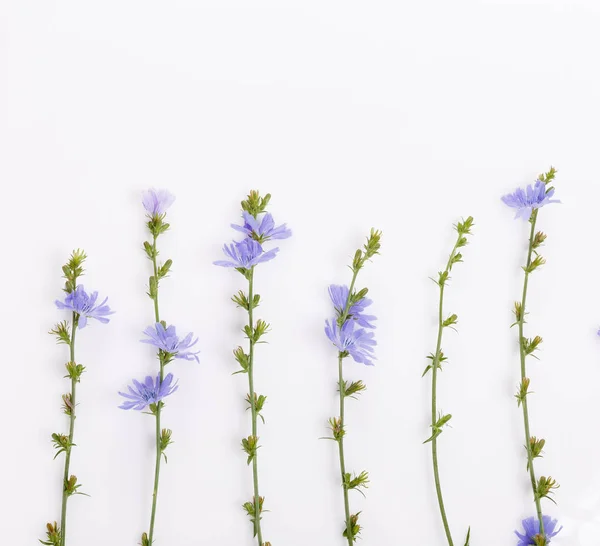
(532, 197)
(356, 342)
(84, 304)
(167, 340)
(339, 296)
(151, 391)
(156, 202)
(532, 530)
(246, 254)
(262, 230)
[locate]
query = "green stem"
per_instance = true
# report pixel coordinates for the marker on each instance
(155, 268)
(523, 356)
(158, 410)
(342, 319)
(65, 496)
(257, 527)
(434, 417)
(342, 461)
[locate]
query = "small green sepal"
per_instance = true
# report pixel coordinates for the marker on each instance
(53, 535)
(545, 487)
(437, 427)
(61, 331)
(353, 527)
(250, 446)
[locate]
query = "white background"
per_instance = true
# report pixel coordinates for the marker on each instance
(400, 115)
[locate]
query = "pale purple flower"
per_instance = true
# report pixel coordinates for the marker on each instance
(264, 229)
(356, 342)
(167, 340)
(532, 528)
(84, 304)
(246, 254)
(151, 391)
(528, 199)
(156, 202)
(339, 297)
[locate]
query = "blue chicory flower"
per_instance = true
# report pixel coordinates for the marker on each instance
(532, 528)
(84, 304)
(262, 230)
(246, 254)
(339, 297)
(167, 340)
(156, 202)
(532, 197)
(151, 391)
(358, 343)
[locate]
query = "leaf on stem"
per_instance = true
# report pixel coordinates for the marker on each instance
(259, 402)
(467, 540)
(357, 482)
(437, 427)
(353, 527)
(435, 361)
(353, 389)
(61, 331)
(523, 391)
(544, 488)
(53, 535)
(250, 446)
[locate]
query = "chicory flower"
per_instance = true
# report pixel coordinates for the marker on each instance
(84, 304)
(151, 391)
(167, 340)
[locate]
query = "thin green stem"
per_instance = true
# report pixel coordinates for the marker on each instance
(158, 409)
(342, 320)
(155, 268)
(65, 495)
(523, 356)
(257, 526)
(434, 417)
(342, 460)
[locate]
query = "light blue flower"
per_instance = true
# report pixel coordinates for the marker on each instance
(532, 197)
(339, 297)
(167, 340)
(532, 529)
(356, 342)
(262, 230)
(84, 304)
(151, 391)
(156, 202)
(246, 254)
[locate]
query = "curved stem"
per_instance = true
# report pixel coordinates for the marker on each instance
(343, 318)
(155, 268)
(523, 356)
(342, 461)
(158, 410)
(434, 418)
(65, 496)
(257, 509)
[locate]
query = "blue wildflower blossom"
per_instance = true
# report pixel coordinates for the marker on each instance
(84, 304)
(246, 254)
(532, 529)
(532, 197)
(262, 230)
(167, 340)
(151, 391)
(358, 343)
(339, 297)
(156, 202)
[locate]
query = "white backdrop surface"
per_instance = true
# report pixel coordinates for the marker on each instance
(404, 116)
